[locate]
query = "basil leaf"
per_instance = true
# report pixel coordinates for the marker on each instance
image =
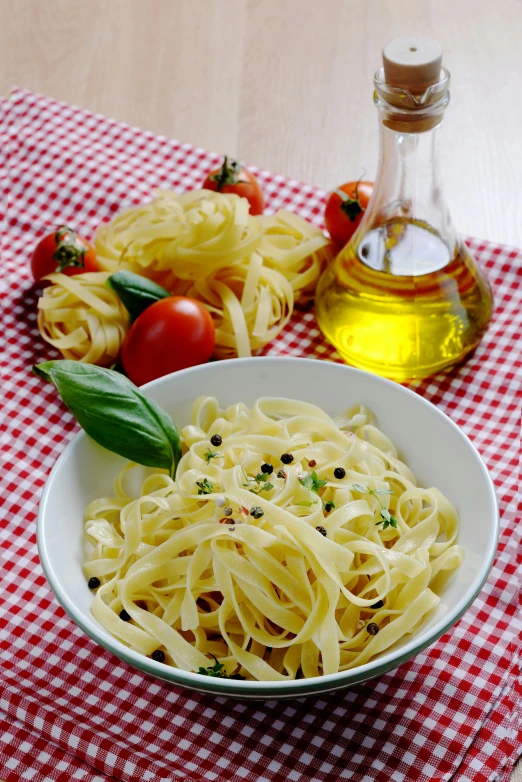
(115, 413)
(136, 292)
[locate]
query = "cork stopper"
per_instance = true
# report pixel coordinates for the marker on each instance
(413, 63)
(412, 87)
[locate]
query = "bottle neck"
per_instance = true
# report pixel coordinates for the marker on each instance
(408, 184)
(407, 228)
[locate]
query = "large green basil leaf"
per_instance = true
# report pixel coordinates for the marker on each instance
(115, 413)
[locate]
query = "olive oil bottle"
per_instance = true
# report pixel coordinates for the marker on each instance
(405, 298)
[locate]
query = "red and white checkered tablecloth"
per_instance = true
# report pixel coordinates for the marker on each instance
(68, 709)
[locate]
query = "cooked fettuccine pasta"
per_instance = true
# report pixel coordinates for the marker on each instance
(291, 544)
(82, 317)
(248, 271)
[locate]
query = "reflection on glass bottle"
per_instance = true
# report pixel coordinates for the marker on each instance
(405, 298)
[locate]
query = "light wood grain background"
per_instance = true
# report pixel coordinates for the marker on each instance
(285, 84)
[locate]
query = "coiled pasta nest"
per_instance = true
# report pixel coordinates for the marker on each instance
(83, 318)
(248, 271)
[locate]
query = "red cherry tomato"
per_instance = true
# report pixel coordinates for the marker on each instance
(345, 209)
(63, 251)
(171, 334)
(233, 178)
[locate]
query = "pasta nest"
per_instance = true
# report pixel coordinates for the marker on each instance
(248, 271)
(83, 318)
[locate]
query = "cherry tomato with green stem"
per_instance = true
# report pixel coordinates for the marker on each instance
(232, 177)
(345, 209)
(63, 251)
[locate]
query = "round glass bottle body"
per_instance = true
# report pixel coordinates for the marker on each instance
(405, 299)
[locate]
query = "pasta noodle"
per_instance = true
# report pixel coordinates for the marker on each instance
(82, 317)
(248, 271)
(311, 568)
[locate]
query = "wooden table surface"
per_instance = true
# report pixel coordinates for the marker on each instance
(285, 84)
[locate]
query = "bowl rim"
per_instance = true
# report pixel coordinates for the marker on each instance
(317, 684)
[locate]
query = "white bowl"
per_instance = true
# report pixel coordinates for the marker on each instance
(437, 451)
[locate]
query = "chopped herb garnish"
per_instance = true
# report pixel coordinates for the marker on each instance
(329, 506)
(387, 520)
(211, 455)
(367, 490)
(205, 487)
(312, 482)
(217, 671)
(266, 487)
(359, 488)
(305, 503)
(257, 484)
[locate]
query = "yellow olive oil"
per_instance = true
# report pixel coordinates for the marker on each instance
(400, 304)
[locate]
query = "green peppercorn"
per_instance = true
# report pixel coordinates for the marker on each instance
(257, 512)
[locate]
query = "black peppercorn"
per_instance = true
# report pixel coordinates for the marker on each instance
(256, 512)
(287, 458)
(267, 469)
(227, 511)
(93, 582)
(281, 474)
(378, 604)
(339, 473)
(321, 530)
(124, 616)
(329, 506)
(238, 677)
(372, 628)
(216, 440)
(159, 656)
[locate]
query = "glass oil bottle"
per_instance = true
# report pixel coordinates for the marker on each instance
(405, 298)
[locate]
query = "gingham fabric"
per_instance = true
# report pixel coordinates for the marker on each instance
(70, 710)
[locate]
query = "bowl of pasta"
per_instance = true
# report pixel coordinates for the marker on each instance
(323, 526)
